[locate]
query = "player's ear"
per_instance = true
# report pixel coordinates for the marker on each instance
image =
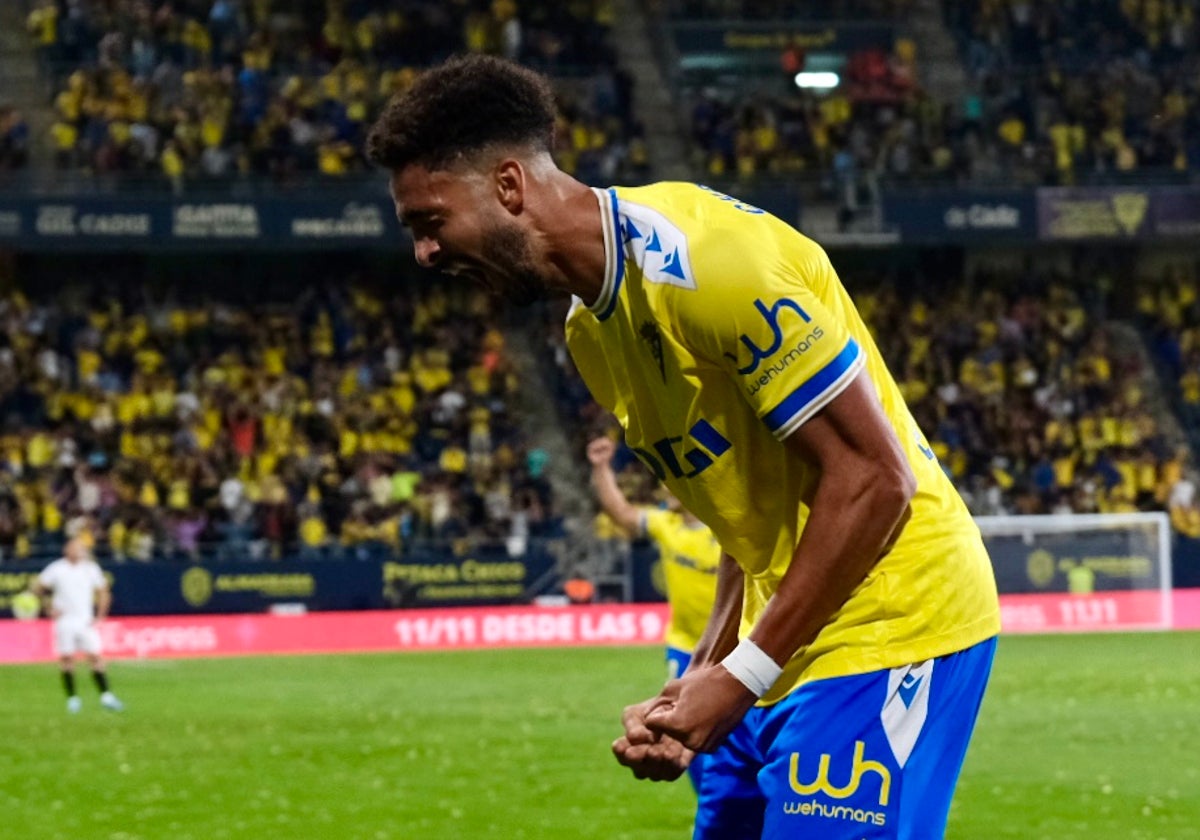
(510, 185)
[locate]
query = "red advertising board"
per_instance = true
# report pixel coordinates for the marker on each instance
(500, 627)
(1056, 612)
(337, 632)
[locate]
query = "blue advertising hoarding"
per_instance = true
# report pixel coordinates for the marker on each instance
(421, 578)
(1115, 213)
(1118, 213)
(121, 222)
(961, 216)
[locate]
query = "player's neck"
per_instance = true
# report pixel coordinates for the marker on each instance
(574, 236)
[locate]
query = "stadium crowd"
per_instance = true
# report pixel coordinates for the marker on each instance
(878, 120)
(1026, 398)
(1088, 89)
(214, 89)
(1059, 93)
(342, 423)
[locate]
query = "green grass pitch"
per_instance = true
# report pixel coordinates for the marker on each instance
(1081, 738)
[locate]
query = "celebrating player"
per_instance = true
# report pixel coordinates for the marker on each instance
(77, 597)
(744, 377)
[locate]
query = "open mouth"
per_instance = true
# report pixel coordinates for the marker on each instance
(471, 274)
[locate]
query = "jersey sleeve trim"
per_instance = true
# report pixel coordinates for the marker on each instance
(799, 406)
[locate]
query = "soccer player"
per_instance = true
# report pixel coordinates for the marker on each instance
(76, 596)
(725, 344)
(688, 553)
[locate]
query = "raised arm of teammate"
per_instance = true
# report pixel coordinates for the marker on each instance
(858, 507)
(600, 453)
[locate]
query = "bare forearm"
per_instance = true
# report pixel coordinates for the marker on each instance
(103, 601)
(721, 632)
(848, 530)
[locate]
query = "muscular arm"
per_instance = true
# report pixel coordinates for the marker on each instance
(650, 754)
(859, 507)
(721, 632)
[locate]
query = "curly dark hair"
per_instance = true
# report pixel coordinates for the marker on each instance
(462, 107)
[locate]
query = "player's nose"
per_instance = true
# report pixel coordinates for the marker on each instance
(428, 252)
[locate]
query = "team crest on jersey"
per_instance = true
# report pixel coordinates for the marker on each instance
(657, 246)
(649, 333)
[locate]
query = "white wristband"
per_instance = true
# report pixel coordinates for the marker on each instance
(753, 668)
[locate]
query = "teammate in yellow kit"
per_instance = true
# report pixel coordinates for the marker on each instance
(856, 613)
(688, 553)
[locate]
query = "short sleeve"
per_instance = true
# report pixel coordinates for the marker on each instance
(758, 314)
(655, 523)
(98, 580)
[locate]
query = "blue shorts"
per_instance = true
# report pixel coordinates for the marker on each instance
(850, 758)
(677, 662)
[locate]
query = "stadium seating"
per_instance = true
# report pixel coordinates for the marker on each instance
(1096, 90)
(1026, 399)
(212, 91)
(343, 423)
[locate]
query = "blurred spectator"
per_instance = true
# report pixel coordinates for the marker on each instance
(14, 139)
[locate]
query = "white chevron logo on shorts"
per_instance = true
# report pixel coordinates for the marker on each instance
(906, 708)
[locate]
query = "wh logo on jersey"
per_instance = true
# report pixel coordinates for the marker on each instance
(758, 355)
(657, 245)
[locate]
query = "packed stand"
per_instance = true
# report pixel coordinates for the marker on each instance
(341, 424)
(1071, 92)
(1169, 310)
(1025, 399)
(878, 125)
(876, 120)
(210, 90)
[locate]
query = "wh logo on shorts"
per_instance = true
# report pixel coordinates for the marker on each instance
(860, 767)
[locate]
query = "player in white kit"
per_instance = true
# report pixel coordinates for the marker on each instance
(76, 596)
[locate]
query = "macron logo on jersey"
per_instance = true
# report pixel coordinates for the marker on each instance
(657, 246)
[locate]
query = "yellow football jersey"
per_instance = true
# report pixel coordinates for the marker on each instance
(719, 331)
(690, 555)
